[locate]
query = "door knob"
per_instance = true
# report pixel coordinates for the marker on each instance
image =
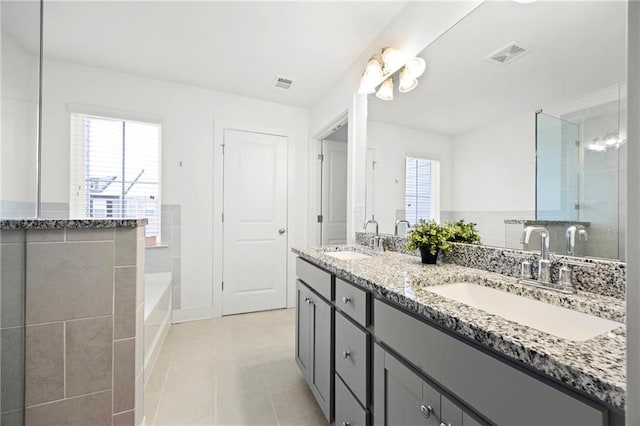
(346, 300)
(346, 354)
(281, 231)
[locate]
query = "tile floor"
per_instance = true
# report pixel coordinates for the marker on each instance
(235, 370)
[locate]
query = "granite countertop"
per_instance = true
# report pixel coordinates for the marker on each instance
(71, 223)
(595, 366)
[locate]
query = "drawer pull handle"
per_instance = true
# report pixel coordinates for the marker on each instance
(426, 411)
(346, 300)
(346, 354)
(346, 423)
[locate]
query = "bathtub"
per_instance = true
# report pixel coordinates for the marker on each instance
(157, 317)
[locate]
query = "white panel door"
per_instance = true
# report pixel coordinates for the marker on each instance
(255, 222)
(334, 192)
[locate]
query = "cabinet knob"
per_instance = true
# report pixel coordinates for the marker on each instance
(346, 354)
(346, 423)
(426, 411)
(346, 300)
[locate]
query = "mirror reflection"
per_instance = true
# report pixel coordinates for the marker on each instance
(524, 123)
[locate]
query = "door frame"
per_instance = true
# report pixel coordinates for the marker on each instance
(315, 173)
(219, 126)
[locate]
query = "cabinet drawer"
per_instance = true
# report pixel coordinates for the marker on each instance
(497, 390)
(352, 357)
(348, 410)
(314, 277)
(353, 302)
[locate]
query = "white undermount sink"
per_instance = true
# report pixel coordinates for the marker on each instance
(555, 320)
(347, 255)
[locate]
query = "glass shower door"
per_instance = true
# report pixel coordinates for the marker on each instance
(557, 169)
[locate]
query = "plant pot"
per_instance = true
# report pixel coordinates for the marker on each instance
(427, 257)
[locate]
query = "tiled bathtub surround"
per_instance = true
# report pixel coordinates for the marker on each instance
(604, 277)
(12, 288)
(171, 235)
(84, 313)
(595, 367)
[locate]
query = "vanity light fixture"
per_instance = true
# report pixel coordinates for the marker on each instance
(386, 90)
(381, 67)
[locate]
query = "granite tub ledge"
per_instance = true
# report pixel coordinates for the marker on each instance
(71, 223)
(595, 367)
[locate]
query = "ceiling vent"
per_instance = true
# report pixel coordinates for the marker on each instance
(282, 83)
(508, 53)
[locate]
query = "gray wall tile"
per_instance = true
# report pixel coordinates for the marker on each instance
(77, 276)
(126, 239)
(45, 235)
(139, 357)
(99, 234)
(12, 285)
(88, 355)
(124, 310)
(157, 259)
(12, 368)
(12, 236)
(176, 271)
(12, 418)
(124, 419)
(45, 363)
(93, 410)
(176, 241)
(123, 375)
(176, 298)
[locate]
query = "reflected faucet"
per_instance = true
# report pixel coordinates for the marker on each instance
(544, 265)
(369, 221)
(570, 237)
(398, 222)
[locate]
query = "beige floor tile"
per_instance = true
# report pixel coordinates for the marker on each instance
(298, 408)
(235, 370)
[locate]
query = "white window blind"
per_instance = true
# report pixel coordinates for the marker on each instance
(115, 169)
(422, 192)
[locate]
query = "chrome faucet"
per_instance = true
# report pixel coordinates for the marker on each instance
(376, 242)
(544, 264)
(570, 237)
(398, 222)
(565, 274)
(370, 221)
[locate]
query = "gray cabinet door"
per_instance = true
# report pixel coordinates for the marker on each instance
(303, 329)
(451, 413)
(320, 376)
(467, 420)
(401, 397)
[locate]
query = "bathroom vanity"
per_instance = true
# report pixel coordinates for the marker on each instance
(376, 346)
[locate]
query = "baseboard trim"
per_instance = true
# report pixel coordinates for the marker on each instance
(192, 314)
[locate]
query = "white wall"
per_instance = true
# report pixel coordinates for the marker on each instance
(192, 123)
(494, 167)
(19, 124)
(391, 145)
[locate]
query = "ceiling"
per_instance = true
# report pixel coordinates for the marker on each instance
(579, 47)
(236, 47)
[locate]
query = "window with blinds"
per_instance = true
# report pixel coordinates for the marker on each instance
(422, 193)
(115, 169)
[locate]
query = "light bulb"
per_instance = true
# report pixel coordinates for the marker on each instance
(386, 90)
(415, 67)
(372, 76)
(393, 59)
(611, 141)
(407, 82)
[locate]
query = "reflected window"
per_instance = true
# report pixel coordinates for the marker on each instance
(115, 169)
(422, 189)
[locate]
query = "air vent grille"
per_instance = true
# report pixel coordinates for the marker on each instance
(283, 83)
(508, 53)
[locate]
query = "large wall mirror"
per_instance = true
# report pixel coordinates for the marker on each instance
(521, 108)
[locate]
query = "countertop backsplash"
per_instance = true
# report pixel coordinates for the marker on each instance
(599, 276)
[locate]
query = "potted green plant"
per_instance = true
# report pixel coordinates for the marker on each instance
(429, 237)
(464, 232)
